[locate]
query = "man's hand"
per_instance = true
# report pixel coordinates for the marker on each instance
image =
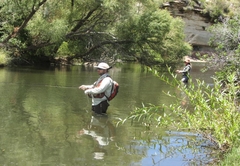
(83, 87)
(178, 71)
(86, 92)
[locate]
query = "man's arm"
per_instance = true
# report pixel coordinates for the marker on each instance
(106, 82)
(85, 87)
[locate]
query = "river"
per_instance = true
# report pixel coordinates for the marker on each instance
(46, 120)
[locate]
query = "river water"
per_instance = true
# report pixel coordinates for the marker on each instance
(46, 120)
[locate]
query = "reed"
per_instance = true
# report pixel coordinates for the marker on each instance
(211, 111)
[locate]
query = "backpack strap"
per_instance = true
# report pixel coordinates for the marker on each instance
(98, 82)
(111, 90)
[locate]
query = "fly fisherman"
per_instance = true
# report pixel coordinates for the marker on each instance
(100, 89)
(185, 71)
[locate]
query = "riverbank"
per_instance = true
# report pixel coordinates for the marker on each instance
(193, 59)
(232, 158)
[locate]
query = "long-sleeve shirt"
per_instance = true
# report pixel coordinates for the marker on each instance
(102, 85)
(186, 70)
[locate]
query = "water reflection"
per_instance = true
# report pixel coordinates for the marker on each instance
(178, 145)
(46, 120)
(102, 132)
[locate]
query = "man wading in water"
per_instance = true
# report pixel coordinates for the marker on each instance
(185, 71)
(100, 89)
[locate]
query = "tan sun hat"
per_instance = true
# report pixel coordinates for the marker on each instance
(187, 60)
(103, 66)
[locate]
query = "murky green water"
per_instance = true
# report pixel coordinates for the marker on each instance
(46, 120)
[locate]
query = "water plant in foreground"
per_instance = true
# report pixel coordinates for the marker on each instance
(212, 111)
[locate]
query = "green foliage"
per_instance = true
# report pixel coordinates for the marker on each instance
(225, 36)
(154, 36)
(64, 50)
(4, 57)
(217, 8)
(99, 29)
(211, 111)
(173, 46)
(231, 158)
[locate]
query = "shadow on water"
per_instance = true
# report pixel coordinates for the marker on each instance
(46, 120)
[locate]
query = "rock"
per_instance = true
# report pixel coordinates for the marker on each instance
(196, 23)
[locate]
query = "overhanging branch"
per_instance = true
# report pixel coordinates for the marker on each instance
(98, 46)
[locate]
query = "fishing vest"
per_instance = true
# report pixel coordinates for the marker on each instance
(97, 84)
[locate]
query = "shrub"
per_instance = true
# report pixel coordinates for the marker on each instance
(212, 111)
(3, 57)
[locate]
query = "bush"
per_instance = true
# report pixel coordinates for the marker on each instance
(226, 38)
(212, 111)
(3, 57)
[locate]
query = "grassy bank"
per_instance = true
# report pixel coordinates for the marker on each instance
(232, 158)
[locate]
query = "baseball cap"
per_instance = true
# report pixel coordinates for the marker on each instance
(103, 66)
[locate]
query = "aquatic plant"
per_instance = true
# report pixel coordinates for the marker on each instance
(212, 111)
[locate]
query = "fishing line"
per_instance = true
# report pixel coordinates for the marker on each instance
(40, 85)
(44, 85)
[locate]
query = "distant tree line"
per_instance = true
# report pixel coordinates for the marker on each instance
(41, 31)
(38, 31)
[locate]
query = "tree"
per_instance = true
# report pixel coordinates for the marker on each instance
(154, 36)
(226, 39)
(92, 30)
(12, 23)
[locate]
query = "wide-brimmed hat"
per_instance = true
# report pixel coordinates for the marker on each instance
(103, 66)
(187, 60)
